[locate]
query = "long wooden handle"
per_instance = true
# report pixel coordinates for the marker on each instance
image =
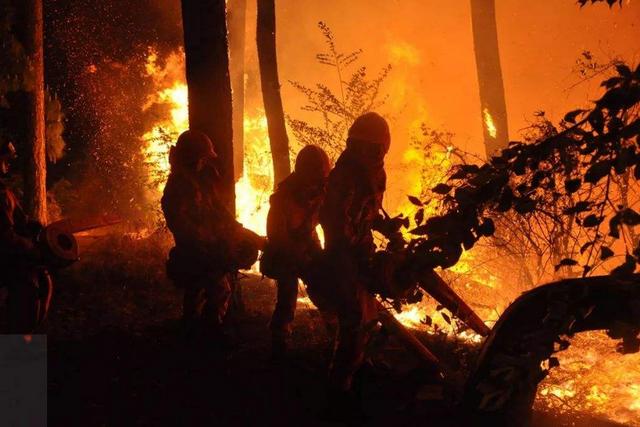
(407, 338)
(433, 284)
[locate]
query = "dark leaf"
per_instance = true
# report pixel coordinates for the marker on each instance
(524, 205)
(592, 220)
(520, 166)
(623, 70)
(415, 200)
(566, 262)
(630, 217)
(553, 362)
(446, 317)
(537, 179)
(466, 196)
(441, 189)
(596, 120)
(626, 268)
(586, 246)
(468, 241)
(427, 320)
(572, 185)
(597, 171)
(605, 253)
(611, 82)
(571, 116)
(419, 216)
(439, 307)
(614, 226)
(487, 228)
(505, 201)
(581, 206)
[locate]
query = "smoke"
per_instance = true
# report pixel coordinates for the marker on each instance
(96, 51)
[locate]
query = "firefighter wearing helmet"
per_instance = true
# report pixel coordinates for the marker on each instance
(21, 269)
(209, 243)
(292, 238)
(351, 211)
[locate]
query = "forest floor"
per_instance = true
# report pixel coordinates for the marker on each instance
(116, 357)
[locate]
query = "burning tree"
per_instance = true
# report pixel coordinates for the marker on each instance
(492, 100)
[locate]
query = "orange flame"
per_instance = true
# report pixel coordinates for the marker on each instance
(252, 189)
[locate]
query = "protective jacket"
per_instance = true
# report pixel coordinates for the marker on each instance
(352, 206)
(207, 236)
(291, 230)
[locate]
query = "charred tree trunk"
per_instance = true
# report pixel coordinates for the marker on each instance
(266, 40)
(207, 66)
(493, 107)
(35, 173)
(237, 25)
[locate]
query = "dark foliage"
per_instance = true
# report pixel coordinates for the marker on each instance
(580, 161)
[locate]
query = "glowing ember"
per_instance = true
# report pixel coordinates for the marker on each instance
(488, 123)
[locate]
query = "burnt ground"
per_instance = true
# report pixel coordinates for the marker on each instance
(116, 357)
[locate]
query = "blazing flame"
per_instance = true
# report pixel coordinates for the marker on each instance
(489, 124)
(255, 185)
(593, 378)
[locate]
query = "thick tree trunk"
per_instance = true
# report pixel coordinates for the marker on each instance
(493, 108)
(207, 64)
(35, 173)
(266, 40)
(237, 24)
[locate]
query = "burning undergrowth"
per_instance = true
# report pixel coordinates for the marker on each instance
(593, 378)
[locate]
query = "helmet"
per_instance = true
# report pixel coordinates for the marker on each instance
(312, 163)
(371, 128)
(192, 145)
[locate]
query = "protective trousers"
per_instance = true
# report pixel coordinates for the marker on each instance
(285, 306)
(206, 301)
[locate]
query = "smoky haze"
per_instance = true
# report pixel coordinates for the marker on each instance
(428, 43)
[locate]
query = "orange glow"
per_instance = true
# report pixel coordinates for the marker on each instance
(489, 124)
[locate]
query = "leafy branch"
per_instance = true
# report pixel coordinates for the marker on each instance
(357, 94)
(563, 176)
